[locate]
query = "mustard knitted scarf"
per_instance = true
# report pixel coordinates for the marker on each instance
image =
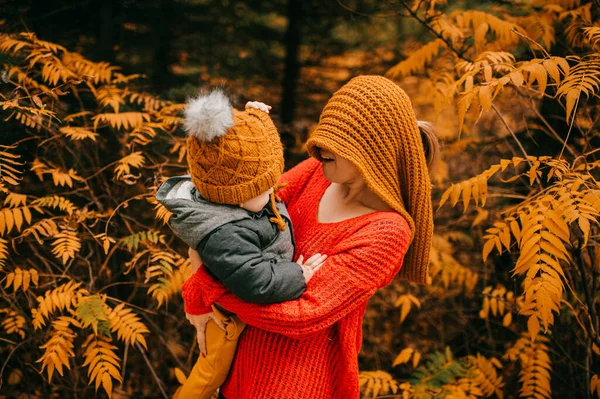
(371, 123)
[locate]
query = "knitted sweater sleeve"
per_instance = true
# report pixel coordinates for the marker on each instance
(356, 267)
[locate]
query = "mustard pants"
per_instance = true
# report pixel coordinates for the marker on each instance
(210, 371)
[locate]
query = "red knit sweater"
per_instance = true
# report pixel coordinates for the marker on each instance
(308, 348)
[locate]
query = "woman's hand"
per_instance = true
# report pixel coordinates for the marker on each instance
(195, 260)
(200, 321)
(258, 105)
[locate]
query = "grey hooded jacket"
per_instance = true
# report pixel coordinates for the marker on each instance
(242, 249)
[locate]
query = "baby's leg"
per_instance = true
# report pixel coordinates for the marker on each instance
(210, 371)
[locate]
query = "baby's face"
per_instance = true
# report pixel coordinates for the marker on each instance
(257, 203)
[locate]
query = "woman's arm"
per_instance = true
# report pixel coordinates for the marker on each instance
(356, 267)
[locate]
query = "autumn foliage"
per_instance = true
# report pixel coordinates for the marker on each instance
(91, 274)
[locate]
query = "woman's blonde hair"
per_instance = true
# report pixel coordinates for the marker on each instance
(431, 143)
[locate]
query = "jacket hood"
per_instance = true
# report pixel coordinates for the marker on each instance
(193, 217)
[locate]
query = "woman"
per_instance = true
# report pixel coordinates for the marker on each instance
(364, 199)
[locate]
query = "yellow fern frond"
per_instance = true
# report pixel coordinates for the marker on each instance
(484, 375)
(106, 241)
(14, 217)
(417, 61)
(121, 78)
(501, 303)
(124, 165)
(505, 37)
(55, 48)
(162, 213)
(540, 26)
(375, 383)
(169, 122)
(13, 322)
(12, 46)
(102, 362)
(406, 355)
(23, 79)
(8, 165)
(577, 19)
(592, 34)
(127, 325)
(21, 279)
(476, 187)
(405, 303)
(149, 102)
(541, 250)
(54, 71)
(60, 177)
(14, 200)
(63, 297)
(443, 25)
(583, 79)
(123, 120)
(72, 117)
(110, 96)
(536, 366)
(169, 281)
(65, 245)
(59, 348)
(445, 270)
(3, 252)
(55, 202)
(133, 241)
(144, 134)
(96, 72)
(78, 133)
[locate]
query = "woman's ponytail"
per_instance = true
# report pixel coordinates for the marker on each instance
(431, 143)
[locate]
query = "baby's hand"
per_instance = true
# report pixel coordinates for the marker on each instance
(310, 267)
(258, 105)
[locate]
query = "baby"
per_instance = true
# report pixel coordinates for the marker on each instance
(227, 210)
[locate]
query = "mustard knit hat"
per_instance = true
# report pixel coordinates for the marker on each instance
(233, 156)
(371, 123)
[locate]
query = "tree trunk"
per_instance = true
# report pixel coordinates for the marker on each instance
(162, 41)
(106, 32)
(292, 62)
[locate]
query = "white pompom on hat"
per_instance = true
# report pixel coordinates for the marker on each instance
(209, 115)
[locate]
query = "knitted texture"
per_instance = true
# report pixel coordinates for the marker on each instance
(308, 348)
(371, 123)
(240, 165)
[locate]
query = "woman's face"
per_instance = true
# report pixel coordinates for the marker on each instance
(337, 169)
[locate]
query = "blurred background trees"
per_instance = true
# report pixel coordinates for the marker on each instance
(91, 94)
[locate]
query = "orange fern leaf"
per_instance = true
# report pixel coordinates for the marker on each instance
(63, 297)
(127, 325)
(102, 362)
(21, 278)
(78, 133)
(124, 165)
(65, 245)
(59, 348)
(13, 322)
(125, 120)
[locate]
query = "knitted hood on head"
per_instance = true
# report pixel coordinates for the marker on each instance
(371, 123)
